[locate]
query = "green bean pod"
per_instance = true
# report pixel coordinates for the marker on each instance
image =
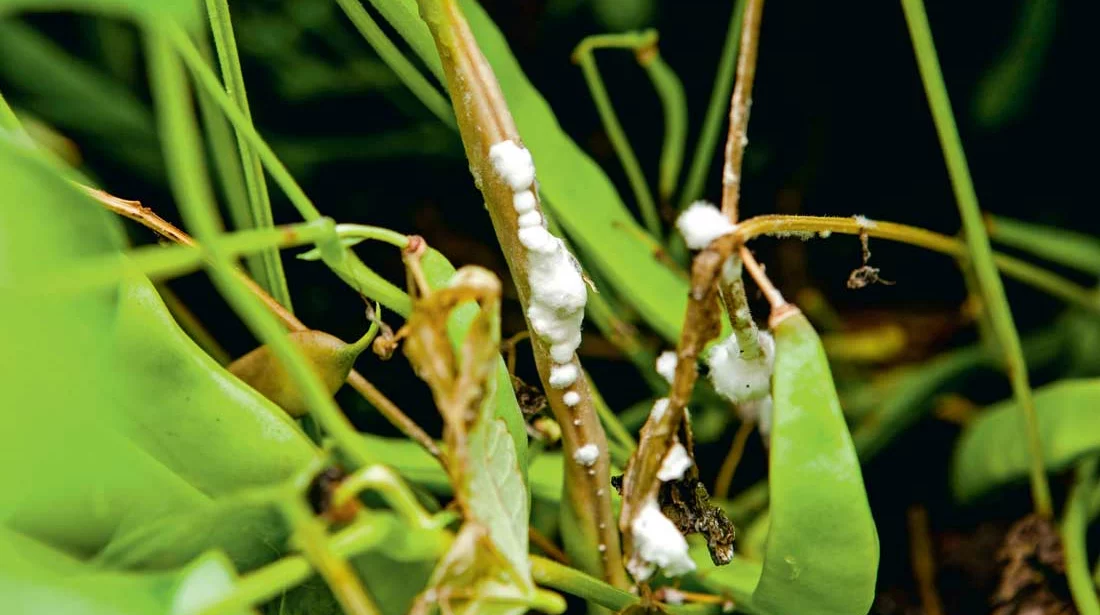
(331, 358)
(821, 554)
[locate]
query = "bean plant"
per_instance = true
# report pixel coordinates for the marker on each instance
(146, 471)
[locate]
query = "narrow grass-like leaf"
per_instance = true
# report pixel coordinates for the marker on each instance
(270, 275)
(980, 252)
(184, 11)
(1058, 245)
(1008, 87)
(1075, 522)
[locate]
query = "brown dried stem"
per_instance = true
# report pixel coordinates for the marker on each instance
(135, 211)
(740, 104)
(484, 119)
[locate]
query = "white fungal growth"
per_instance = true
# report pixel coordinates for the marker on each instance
(530, 219)
(760, 411)
(657, 544)
(558, 292)
(562, 376)
(865, 222)
(523, 202)
(731, 269)
(587, 455)
(513, 163)
(673, 596)
(659, 408)
(702, 223)
(825, 234)
(676, 462)
(737, 379)
(666, 365)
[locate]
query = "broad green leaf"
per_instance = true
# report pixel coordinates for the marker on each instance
(991, 451)
(182, 10)
(500, 501)
(821, 554)
(1057, 245)
(35, 578)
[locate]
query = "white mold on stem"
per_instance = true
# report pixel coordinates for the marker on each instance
(563, 376)
(513, 163)
(666, 365)
(737, 379)
(587, 455)
(657, 545)
(676, 462)
(702, 223)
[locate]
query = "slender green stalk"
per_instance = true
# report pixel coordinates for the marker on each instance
(674, 104)
(271, 277)
(1075, 522)
(980, 252)
(584, 57)
(569, 580)
(165, 262)
(419, 85)
(716, 111)
(226, 156)
(187, 174)
(375, 233)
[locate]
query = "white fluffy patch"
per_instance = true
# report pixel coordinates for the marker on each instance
(657, 544)
(737, 379)
(666, 365)
(702, 223)
(571, 398)
(673, 596)
(676, 462)
(558, 296)
(587, 455)
(514, 165)
(759, 410)
(659, 408)
(562, 376)
(523, 201)
(530, 219)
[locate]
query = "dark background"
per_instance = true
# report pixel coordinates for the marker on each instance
(839, 126)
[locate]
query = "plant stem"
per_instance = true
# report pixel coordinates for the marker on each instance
(806, 226)
(978, 242)
(375, 233)
(716, 109)
(402, 67)
(187, 174)
(484, 120)
(146, 217)
(740, 104)
(583, 56)
(1075, 521)
(271, 277)
(732, 460)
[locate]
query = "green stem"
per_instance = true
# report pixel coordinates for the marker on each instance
(402, 67)
(1074, 528)
(164, 262)
(583, 56)
(183, 157)
(271, 277)
(374, 233)
(980, 252)
(396, 493)
(716, 111)
(571, 581)
(674, 104)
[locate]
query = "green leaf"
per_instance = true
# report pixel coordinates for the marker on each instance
(991, 450)
(185, 11)
(34, 578)
(1066, 247)
(499, 500)
(821, 554)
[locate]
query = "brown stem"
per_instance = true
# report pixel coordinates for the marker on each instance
(732, 460)
(135, 211)
(740, 103)
(924, 563)
(484, 120)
